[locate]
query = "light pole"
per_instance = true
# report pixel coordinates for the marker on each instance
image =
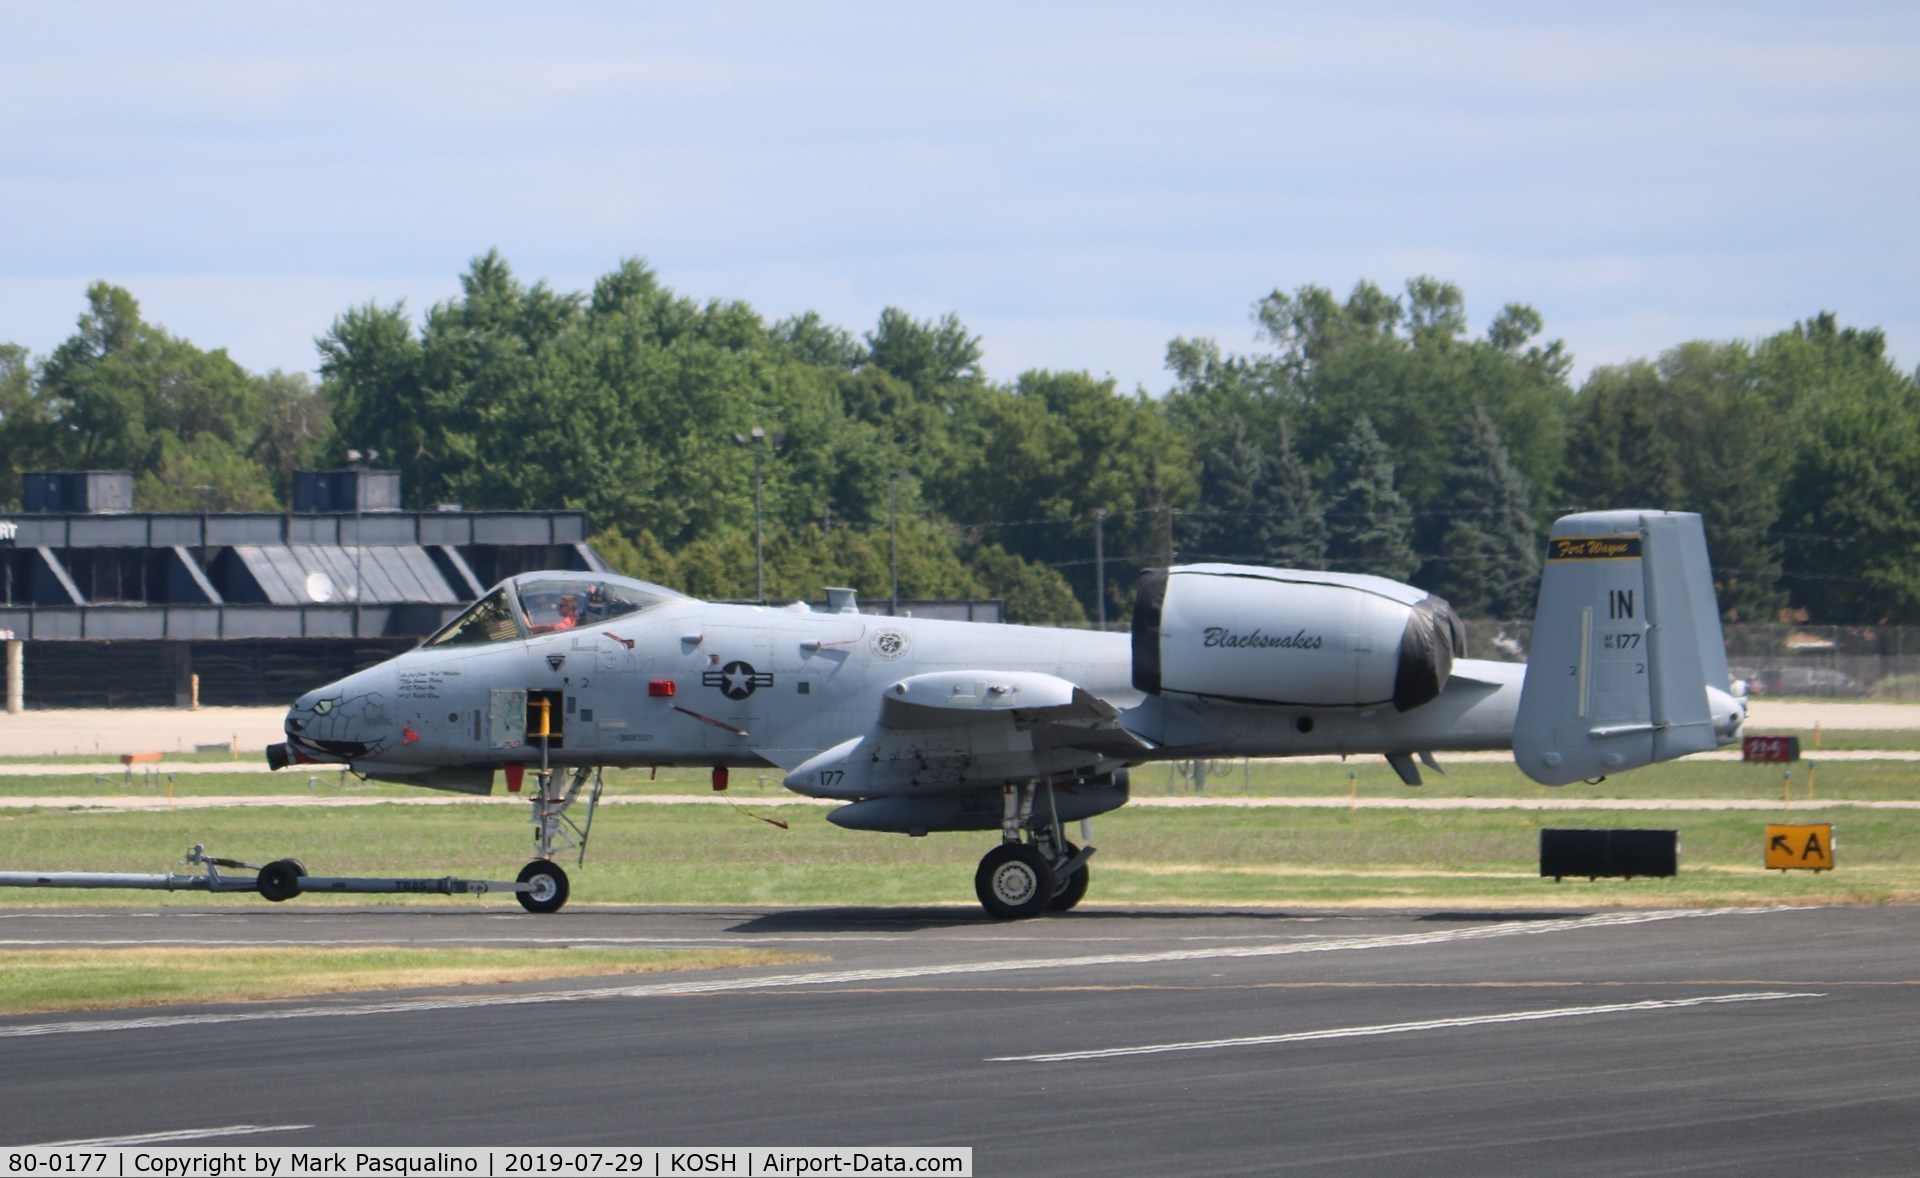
(756, 440)
(359, 546)
(1100, 565)
(893, 539)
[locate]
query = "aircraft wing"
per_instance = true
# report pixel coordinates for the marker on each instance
(963, 728)
(1055, 712)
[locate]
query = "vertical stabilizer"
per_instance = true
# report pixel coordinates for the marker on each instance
(1628, 665)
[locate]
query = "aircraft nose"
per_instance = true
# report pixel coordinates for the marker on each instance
(297, 715)
(311, 708)
(295, 749)
(341, 721)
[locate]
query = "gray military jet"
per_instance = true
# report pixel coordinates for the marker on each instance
(922, 725)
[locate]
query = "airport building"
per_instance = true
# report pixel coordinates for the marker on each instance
(104, 606)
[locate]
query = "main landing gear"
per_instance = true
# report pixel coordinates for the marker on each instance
(1034, 869)
(545, 887)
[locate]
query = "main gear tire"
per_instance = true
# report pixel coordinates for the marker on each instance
(1071, 888)
(1015, 882)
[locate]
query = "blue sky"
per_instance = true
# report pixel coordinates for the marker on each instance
(1079, 182)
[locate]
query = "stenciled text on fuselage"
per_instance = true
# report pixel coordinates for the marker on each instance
(1222, 637)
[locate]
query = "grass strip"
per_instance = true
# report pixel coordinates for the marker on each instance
(673, 854)
(39, 981)
(1368, 776)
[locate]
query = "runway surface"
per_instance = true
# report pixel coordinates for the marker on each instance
(1110, 1042)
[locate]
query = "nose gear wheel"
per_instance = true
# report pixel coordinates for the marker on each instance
(550, 887)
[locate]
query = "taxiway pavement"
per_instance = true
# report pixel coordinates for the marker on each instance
(1111, 1042)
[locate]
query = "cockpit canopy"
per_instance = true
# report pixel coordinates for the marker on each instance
(544, 603)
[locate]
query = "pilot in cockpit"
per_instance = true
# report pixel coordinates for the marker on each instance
(553, 612)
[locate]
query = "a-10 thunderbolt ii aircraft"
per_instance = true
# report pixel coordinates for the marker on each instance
(921, 725)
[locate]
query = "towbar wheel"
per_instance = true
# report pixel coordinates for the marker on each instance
(280, 879)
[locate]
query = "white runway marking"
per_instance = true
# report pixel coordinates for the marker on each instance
(511, 941)
(1439, 1024)
(850, 977)
(167, 1137)
(456, 942)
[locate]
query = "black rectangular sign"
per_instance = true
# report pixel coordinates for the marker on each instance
(1593, 548)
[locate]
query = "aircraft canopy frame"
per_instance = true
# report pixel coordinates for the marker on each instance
(532, 604)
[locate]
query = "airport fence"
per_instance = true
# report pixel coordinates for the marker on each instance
(1832, 662)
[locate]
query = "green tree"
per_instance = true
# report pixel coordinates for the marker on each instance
(928, 356)
(121, 389)
(1052, 452)
(1217, 395)
(26, 426)
(623, 405)
(1848, 523)
(813, 341)
(1483, 554)
(637, 554)
(122, 394)
(297, 426)
(922, 391)
(1296, 535)
(1407, 365)
(1257, 508)
(1031, 594)
(1370, 526)
(1620, 450)
(1734, 470)
(1692, 432)
(205, 474)
(374, 386)
(1849, 518)
(1231, 523)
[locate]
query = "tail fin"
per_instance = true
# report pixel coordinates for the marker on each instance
(1628, 665)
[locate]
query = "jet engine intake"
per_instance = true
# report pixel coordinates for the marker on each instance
(1291, 637)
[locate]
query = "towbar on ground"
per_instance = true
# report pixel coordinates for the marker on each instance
(282, 879)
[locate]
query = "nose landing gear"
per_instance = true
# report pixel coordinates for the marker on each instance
(554, 831)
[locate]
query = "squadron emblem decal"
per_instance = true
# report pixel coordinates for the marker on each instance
(737, 680)
(889, 644)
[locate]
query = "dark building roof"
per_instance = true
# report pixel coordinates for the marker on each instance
(350, 572)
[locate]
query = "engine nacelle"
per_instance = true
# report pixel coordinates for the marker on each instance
(1288, 637)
